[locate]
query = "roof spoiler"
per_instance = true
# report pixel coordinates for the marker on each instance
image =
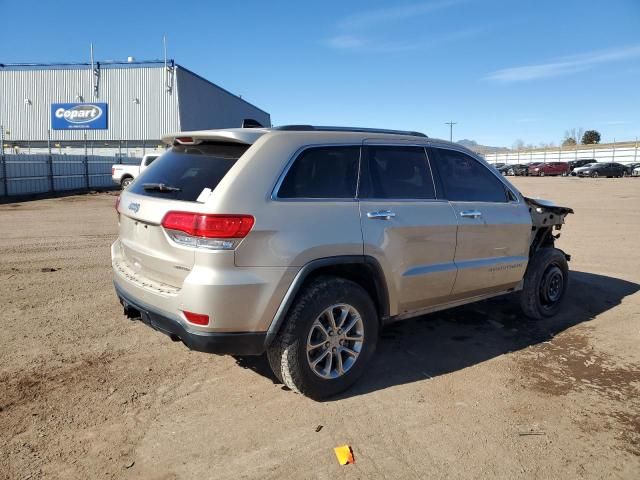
(246, 136)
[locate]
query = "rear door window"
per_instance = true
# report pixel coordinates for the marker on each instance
(396, 172)
(464, 179)
(185, 170)
(323, 172)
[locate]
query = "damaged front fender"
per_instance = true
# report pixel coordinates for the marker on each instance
(546, 217)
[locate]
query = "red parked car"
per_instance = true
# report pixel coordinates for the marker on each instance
(549, 168)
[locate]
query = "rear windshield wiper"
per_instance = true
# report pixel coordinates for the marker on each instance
(160, 187)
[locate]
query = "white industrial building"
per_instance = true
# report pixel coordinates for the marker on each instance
(111, 105)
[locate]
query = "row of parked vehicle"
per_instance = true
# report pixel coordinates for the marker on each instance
(589, 167)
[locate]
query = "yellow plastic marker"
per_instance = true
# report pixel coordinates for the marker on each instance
(344, 454)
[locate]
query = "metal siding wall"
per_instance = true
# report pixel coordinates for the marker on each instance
(206, 106)
(156, 114)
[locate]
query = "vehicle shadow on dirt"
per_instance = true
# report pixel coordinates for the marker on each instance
(448, 341)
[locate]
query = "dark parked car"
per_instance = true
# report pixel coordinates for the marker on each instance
(603, 170)
(519, 169)
(504, 169)
(581, 163)
(549, 168)
(629, 168)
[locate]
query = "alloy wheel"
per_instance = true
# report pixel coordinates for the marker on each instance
(335, 341)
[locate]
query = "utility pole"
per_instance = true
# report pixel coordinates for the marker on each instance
(451, 124)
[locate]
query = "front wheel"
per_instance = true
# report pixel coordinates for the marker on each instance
(542, 173)
(328, 339)
(594, 175)
(545, 284)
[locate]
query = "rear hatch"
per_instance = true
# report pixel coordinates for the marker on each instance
(174, 182)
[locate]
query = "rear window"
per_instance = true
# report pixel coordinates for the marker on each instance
(186, 170)
(150, 160)
(323, 172)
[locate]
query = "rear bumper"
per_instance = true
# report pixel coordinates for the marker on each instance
(223, 343)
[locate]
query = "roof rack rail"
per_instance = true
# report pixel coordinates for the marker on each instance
(316, 128)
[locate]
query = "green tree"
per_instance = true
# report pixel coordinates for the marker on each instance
(569, 142)
(590, 137)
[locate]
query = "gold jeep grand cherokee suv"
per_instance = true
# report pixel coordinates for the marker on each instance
(302, 241)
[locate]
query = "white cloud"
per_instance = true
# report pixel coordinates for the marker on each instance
(374, 18)
(346, 42)
(563, 65)
(361, 42)
(368, 31)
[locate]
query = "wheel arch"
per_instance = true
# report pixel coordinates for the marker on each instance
(361, 269)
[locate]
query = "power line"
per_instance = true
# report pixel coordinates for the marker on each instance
(451, 124)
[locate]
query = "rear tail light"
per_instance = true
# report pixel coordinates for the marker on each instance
(216, 232)
(113, 171)
(197, 318)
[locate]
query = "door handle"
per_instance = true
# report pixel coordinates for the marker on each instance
(382, 214)
(470, 213)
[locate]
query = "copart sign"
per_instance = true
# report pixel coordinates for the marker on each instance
(79, 116)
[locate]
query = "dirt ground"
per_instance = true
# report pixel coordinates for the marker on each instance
(471, 393)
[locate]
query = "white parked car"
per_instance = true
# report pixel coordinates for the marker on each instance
(636, 172)
(123, 175)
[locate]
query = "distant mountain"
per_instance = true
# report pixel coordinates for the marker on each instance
(476, 147)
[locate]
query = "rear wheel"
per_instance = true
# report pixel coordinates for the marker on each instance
(545, 284)
(327, 341)
(125, 182)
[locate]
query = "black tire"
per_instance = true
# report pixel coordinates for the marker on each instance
(545, 284)
(594, 175)
(125, 182)
(287, 354)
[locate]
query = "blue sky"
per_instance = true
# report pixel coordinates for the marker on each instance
(503, 69)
